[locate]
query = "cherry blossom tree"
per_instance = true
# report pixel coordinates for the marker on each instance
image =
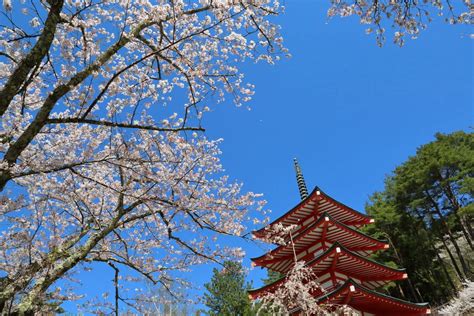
(463, 304)
(406, 17)
(295, 293)
(103, 156)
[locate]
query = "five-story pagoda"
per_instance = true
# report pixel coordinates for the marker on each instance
(324, 236)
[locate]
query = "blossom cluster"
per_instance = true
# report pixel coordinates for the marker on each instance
(103, 159)
(407, 18)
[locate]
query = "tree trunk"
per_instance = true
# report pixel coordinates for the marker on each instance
(446, 228)
(453, 261)
(33, 59)
(445, 270)
(28, 303)
(466, 230)
(464, 265)
(11, 285)
(30, 300)
(465, 225)
(42, 115)
(419, 294)
(400, 260)
(400, 289)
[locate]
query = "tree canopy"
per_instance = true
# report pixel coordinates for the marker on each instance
(424, 212)
(103, 157)
(227, 291)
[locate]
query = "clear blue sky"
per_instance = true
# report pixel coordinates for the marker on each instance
(347, 109)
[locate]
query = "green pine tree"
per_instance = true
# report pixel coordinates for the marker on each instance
(426, 213)
(227, 292)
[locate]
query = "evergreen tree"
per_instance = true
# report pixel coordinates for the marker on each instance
(227, 292)
(426, 213)
(411, 247)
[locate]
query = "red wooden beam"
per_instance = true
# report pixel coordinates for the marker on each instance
(348, 297)
(334, 264)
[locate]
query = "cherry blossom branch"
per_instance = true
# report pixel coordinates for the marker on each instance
(123, 125)
(41, 118)
(59, 168)
(407, 17)
(30, 300)
(79, 173)
(33, 58)
(14, 284)
(117, 296)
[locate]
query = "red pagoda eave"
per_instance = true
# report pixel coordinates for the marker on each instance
(269, 288)
(362, 299)
(325, 229)
(340, 259)
(272, 287)
(310, 209)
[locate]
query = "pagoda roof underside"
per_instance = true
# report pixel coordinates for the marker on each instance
(339, 259)
(312, 207)
(269, 288)
(325, 229)
(342, 260)
(361, 298)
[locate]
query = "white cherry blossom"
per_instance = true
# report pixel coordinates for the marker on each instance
(407, 18)
(103, 157)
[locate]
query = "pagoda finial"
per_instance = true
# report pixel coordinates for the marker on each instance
(300, 180)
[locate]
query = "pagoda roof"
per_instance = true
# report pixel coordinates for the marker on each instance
(325, 229)
(363, 299)
(339, 259)
(310, 209)
(371, 273)
(270, 288)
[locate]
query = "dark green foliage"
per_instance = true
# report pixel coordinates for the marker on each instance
(410, 248)
(426, 212)
(227, 292)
